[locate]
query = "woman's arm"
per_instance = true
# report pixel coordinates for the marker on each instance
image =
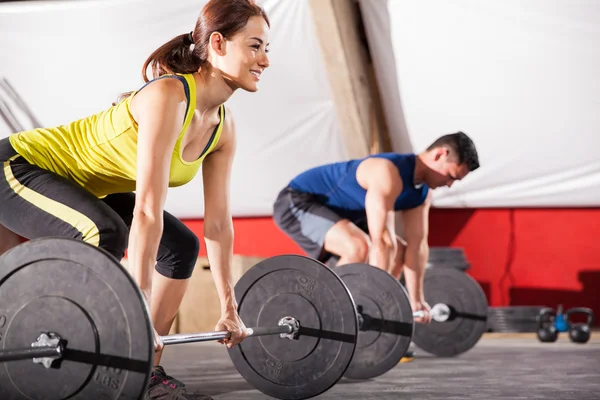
(218, 226)
(159, 111)
(218, 229)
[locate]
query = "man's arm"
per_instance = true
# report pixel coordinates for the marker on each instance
(383, 184)
(416, 229)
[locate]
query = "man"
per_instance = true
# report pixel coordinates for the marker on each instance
(347, 209)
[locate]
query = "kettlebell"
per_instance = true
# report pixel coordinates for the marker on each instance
(580, 332)
(560, 322)
(546, 326)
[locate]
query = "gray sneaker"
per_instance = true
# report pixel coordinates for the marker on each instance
(165, 387)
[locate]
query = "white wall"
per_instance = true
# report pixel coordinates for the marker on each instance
(520, 77)
(70, 59)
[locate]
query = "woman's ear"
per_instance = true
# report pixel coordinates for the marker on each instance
(218, 43)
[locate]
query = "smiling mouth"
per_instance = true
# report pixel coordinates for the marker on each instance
(255, 73)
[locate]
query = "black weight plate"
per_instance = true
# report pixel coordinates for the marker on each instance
(387, 325)
(302, 288)
(447, 257)
(514, 318)
(84, 295)
(469, 309)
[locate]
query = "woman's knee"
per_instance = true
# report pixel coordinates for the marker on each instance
(114, 237)
(178, 256)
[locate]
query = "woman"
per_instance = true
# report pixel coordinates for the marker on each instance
(77, 180)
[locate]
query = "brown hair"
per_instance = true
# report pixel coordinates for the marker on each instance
(227, 17)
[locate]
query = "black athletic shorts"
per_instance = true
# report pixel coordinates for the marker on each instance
(306, 220)
(35, 203)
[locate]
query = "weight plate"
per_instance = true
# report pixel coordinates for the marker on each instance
(387, 326)
(469, 309)
(84, 295)
(514, 318)
(447, 257)
(302, 288)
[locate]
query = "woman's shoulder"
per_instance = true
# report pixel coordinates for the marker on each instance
(160, 93)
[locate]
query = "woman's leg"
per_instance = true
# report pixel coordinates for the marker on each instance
(8, 239)
(39, 203)
(177, 255)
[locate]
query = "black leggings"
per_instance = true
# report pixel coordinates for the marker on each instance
(38, 203)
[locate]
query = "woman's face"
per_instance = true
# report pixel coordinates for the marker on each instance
(243, 58)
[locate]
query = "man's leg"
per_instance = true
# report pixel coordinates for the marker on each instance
(399, 261)
(347, 241)
(306, 221)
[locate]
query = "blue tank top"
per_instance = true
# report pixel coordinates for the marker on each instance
(336, 185)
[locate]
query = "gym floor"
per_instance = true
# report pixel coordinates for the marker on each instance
(500, 366)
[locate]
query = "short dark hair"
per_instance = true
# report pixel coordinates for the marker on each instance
(463, 147)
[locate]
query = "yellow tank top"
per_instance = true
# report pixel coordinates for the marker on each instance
(99, 152)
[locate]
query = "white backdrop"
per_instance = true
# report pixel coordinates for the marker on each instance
(520, 77)
(70, 59)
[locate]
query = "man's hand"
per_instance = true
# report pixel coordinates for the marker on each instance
(380, 178)
(416, 227)
(421, 306)
(230, 321)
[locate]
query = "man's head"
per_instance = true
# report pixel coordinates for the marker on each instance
(449, 158)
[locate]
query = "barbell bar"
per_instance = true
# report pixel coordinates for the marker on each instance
(288, 327)
(52, 352)
(44, 350)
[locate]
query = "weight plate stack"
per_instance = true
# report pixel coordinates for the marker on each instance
(448, 257)
(514, 318)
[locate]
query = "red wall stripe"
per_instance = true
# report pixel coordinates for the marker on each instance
(519, 256)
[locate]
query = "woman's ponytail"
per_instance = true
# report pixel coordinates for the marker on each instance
(175, 56)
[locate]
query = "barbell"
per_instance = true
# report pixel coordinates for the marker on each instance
(74, 309)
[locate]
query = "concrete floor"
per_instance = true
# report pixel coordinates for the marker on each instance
(501, 366)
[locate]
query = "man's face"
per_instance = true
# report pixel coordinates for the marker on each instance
(445, 170)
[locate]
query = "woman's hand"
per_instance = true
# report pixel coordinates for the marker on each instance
(158, 344)
(230, 321)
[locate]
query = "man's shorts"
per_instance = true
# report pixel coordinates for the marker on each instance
(306, 220)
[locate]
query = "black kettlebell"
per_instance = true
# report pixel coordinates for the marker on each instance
(546, 329)
(580, 332)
